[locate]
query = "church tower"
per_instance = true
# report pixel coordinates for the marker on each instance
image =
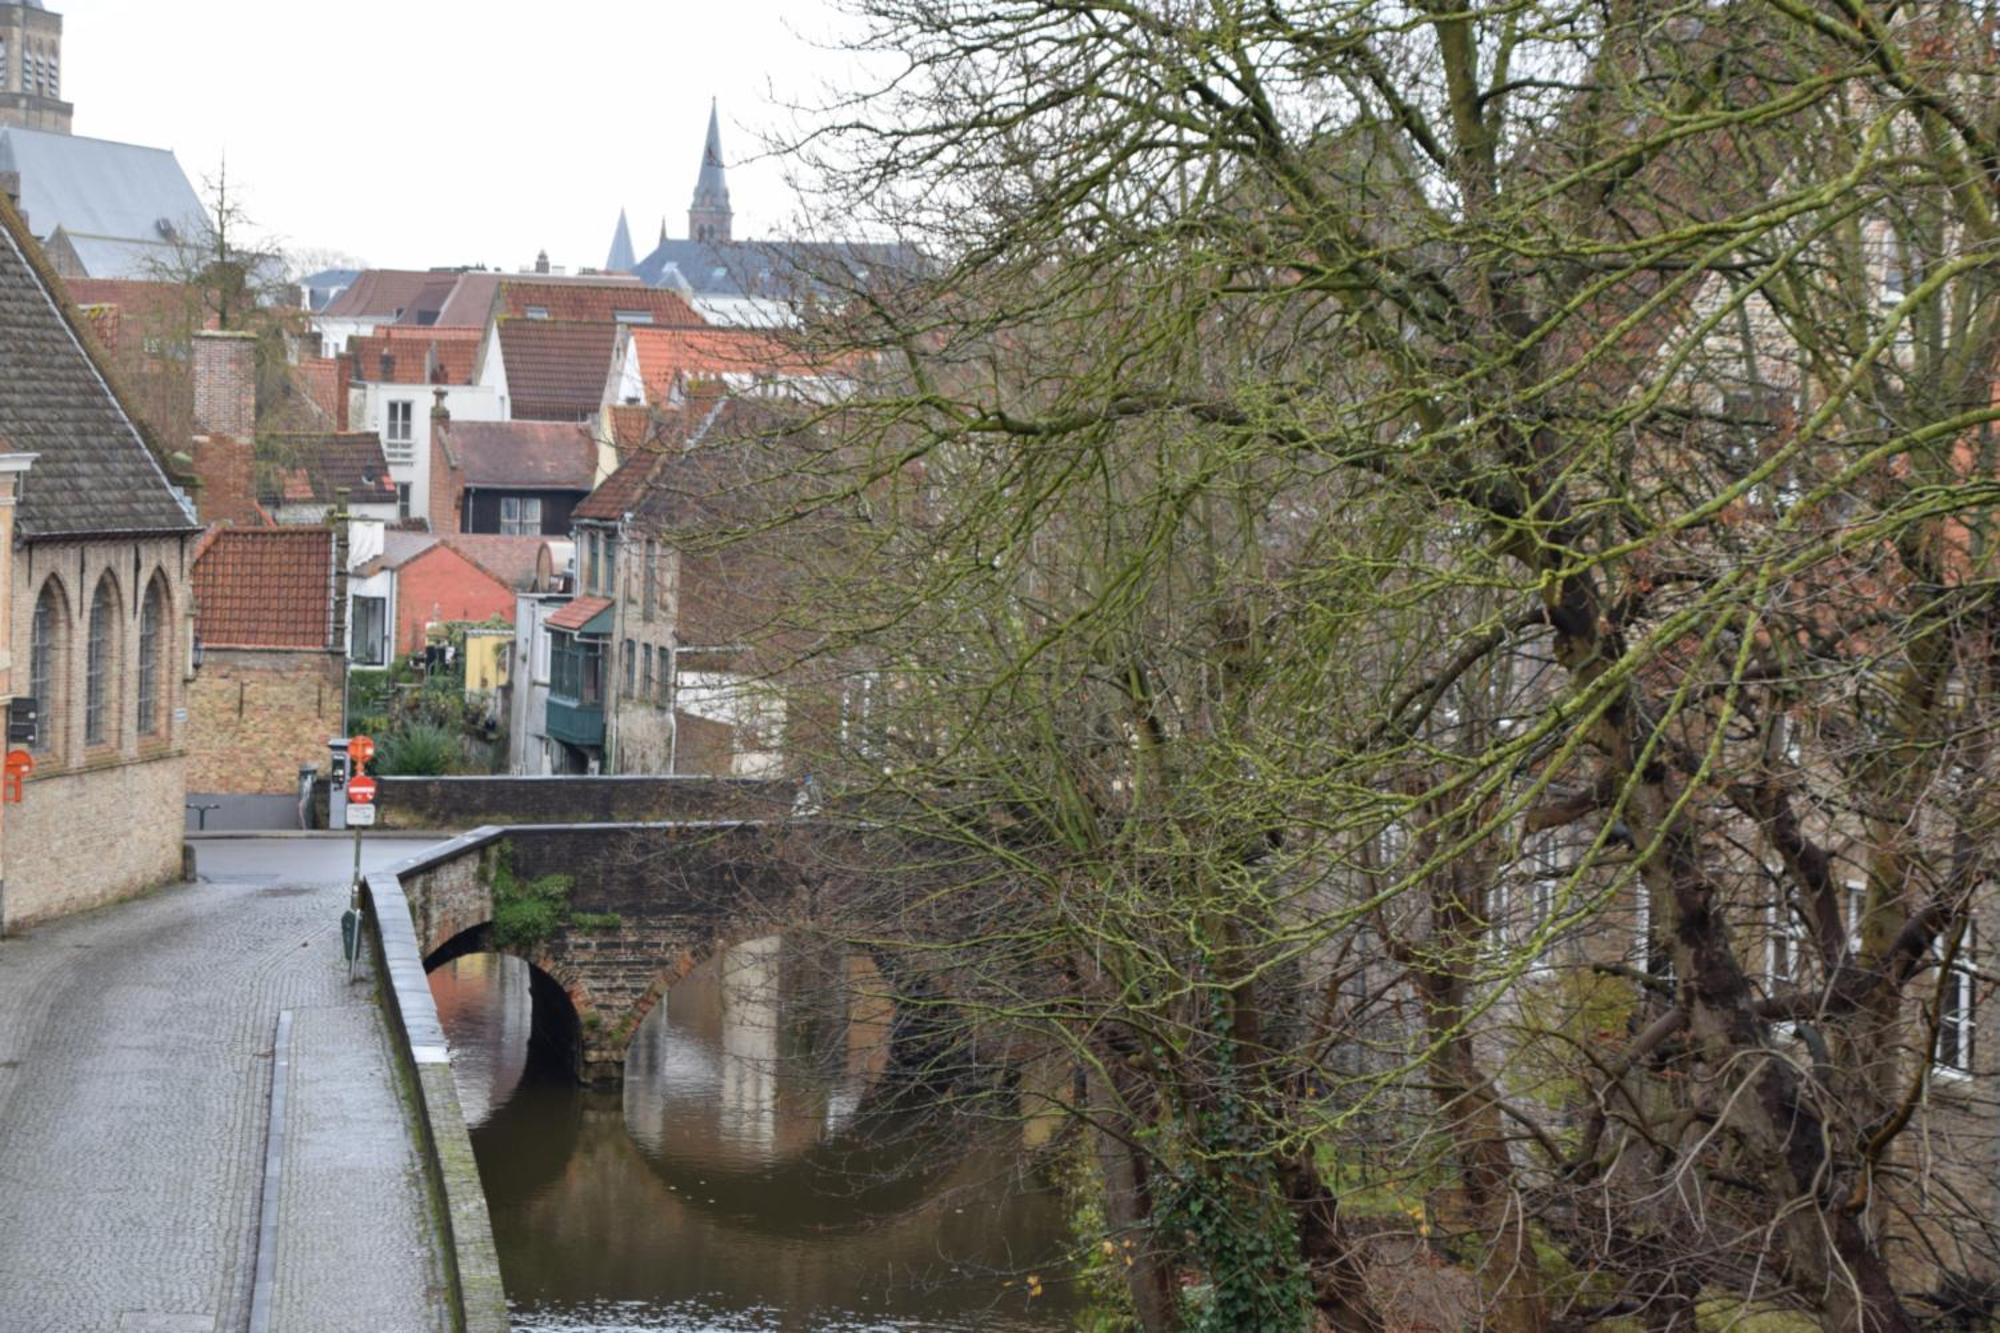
(708, 215)
(31, 68)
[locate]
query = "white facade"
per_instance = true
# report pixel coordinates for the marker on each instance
(401, 415)
(335, 330)
(529, 749)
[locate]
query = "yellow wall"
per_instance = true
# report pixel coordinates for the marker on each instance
(486, 661)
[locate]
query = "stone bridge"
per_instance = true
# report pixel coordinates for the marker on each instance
(648, 903)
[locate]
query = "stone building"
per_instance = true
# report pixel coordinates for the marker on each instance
(31, 68)
(101, 606)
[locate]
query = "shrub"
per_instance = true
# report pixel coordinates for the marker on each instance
(420, 749)
(525, 912)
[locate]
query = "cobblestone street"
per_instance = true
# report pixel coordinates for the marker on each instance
(135, 1065)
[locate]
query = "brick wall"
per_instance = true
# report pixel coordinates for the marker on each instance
(255, 715)
(83, 839)
(225, 383)
(443, 585)
(447, 482)
(227, 470)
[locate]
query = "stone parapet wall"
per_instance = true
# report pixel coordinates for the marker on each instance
(472, 1260)
(460, 802)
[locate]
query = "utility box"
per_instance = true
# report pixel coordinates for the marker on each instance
(336, 791)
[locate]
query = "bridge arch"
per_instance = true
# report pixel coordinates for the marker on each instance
(558, 1003)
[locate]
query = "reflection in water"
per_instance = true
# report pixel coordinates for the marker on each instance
(743, 1179)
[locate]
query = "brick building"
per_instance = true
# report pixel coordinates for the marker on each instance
(101, 604)
(269, 692)
(420, 579)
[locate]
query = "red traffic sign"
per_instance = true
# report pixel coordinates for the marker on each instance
(360, 789)
(360, 750)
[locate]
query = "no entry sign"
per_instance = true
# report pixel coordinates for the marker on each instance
(360, 789)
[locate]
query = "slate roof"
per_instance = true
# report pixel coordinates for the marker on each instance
(417, 355)
(323, 463)
(522, 455)
(592, 301)
(776, 270)
(579, 612)
(119, 204)
(94, 473)
(265, 588)
(556, 369)
(622, 257)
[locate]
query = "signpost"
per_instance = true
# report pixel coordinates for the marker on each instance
(360, 815)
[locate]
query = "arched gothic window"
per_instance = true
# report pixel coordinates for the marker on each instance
(48, 637)
(100, 665)
(154, 651)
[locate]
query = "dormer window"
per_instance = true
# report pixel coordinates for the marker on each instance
(632, 316)
(538, 312)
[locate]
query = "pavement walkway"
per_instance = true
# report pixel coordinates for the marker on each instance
(135, 1069)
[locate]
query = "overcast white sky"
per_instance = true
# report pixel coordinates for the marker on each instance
(413, 133)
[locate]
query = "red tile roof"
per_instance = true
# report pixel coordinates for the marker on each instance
(512, 560)
(471, 302)
(670, 358)
(578, 613)
(380, 293)
(556, 370)
(265, 588)
(319, 380)
(593, 302)
(631, 425)
(415, 356)
(313, 467)
(524, 455)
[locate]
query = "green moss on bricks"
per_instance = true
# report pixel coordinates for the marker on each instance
(526, 913)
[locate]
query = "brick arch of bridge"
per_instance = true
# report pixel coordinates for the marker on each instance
(658, 899)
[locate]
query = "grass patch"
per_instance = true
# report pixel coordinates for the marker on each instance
(526, 912)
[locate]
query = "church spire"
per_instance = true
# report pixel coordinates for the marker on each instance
(621, 260)
(709, 215)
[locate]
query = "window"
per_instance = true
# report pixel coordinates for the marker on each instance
(646, 678)
(632, 316)
(652, 579)
(371, 623)
(98, 666)
(538, 670)
(593, 563)
(152, 651)
(1956, 999)
(399, 428)
(55, 83)
(402, 499)
(631, 666)
(45, 657)
(520, 516)
(538, 312)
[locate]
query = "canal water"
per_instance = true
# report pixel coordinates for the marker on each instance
(751, 1175)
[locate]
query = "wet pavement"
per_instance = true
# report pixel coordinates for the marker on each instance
(135, 1069)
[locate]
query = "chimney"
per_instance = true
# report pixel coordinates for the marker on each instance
(225, 384)
(542, 262)
(447, 485)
